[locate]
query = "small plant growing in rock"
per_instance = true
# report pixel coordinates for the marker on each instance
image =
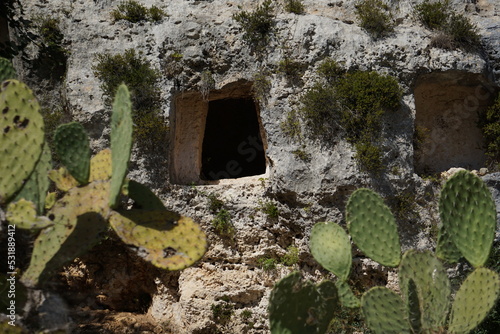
(290, 67)
(259, 24)
(267, 263)
(222, 224)
(215, 204)
(134, 12)
(294, 6)
(156, 14)
(261, 84)
(374, 17)
(330, 70)
(433, 14)
(452, 30)
(53, 56)
(137, 73)
(270, 209)
(291, 125)
(222, 312)
(291, 257)
(489, 123)
(302, 155)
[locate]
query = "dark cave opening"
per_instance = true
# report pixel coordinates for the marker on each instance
(232, 144)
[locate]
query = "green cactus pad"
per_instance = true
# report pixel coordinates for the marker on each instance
(445, 248)
(468, 214)
(36, 187)
(73, 148)
(474, 300)
(23, 214)
(22, 136)
(54, 246)
(7, 71)
(100, 166)
(384, 311)
(414, 310)
(346, 296)
(69, 241)
(121, 141)
(299, 307)
(166, 239)
(331, 247)
(143, 197)
(62, 179)
(432, 286)
(373, 228)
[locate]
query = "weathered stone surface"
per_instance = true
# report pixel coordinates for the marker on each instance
(303, 192)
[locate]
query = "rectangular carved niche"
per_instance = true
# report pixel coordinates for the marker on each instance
(219, 139)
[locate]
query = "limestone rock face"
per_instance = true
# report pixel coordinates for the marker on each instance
(441, 87)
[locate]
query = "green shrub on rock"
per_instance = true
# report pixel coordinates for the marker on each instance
(258, 24)
(374, 17)
(351, 106)
(142, 79)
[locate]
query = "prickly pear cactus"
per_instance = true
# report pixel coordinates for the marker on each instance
(23, 214)
(121, 141)
(143, 197)
(36, 187)
(384, 311)
(432, 287)
(166, 239)
(78, 219)
(331, 247)
(7, 71)
(346, 296)
(22, 136)
(468, 214)
(100, 166)
(474, 300)
(299, 307)
(73, 149)
(373, 227)
(62, 179)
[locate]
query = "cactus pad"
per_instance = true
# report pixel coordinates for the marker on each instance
(432, 287)
(23, 214)
(121, 141)
(7, 71)
(373, 228)
(22, 136)
(165, 239)
(36, 187)
(63, 179)
(473, 301)
(468, 214)
(100, 166)
(143, 197)
(331, 247)
(384, 311)
(445, 248)
(54, 246)
(346, 296)
(297, 306)
(72, 147)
